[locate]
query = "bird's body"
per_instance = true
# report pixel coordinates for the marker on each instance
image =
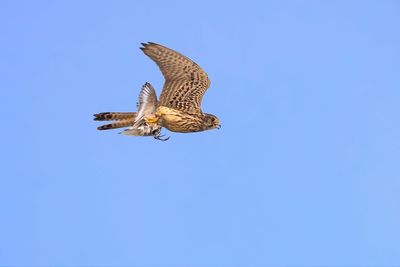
(177, 121)
(179, 106)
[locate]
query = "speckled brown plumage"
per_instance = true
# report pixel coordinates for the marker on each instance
(184, 87)
(185, 82)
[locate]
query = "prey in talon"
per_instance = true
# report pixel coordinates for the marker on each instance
(136, 121)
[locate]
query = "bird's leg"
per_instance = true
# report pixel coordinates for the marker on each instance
(151, 119)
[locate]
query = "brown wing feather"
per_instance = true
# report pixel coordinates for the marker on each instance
(185, 82)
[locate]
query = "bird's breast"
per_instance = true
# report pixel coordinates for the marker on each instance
(176, 120)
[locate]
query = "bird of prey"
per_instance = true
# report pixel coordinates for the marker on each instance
(179, 106)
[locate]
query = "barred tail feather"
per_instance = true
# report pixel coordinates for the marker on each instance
(114, 116)
(117, 124)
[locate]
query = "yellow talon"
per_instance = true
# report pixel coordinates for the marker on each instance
(151, 119)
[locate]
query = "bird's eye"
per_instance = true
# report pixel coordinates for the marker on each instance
(212, 119)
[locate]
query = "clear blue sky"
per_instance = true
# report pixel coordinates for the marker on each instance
(305, 170)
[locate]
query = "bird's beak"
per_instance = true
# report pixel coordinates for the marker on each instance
(219, 126)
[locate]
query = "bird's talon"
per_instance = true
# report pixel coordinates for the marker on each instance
(161, 137)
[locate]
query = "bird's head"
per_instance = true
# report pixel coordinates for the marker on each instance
(211, 121)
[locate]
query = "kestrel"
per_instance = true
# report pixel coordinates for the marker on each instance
(179, 107)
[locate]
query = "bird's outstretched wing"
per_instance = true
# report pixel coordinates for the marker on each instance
(185, 82)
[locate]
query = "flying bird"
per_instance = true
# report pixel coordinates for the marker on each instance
(179, 106)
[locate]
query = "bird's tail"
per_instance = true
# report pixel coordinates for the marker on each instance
(117, 124)
(121, 119)
(114, 116)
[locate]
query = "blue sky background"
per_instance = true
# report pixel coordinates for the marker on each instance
(305, 170)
